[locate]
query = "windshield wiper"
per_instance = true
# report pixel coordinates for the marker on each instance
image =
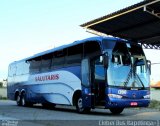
(128, 78)
(132, 71)
(140, 80)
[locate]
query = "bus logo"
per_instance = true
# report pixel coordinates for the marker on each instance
(47, 77)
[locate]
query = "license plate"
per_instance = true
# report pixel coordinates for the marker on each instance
(133, 103)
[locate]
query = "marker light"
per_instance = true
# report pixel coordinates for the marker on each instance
(114, 96)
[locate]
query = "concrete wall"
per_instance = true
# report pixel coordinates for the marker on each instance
(3, 92)
(155, 94)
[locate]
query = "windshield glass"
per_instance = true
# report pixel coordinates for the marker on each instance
(127, 66)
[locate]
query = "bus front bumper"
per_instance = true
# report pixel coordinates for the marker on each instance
(126, 103)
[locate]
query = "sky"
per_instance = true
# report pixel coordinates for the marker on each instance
(31, 26)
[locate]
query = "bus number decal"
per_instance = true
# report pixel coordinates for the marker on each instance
(122, 92)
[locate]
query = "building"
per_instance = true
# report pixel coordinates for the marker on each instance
(4, 83)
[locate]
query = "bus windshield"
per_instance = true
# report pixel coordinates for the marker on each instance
(127, 66)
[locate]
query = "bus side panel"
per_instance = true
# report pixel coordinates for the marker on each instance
(11, 81)
(16, 83)
(55, 87)
(10, 88)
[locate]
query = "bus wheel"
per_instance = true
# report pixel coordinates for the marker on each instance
(80, 108)
(18, 100)
(116, 110)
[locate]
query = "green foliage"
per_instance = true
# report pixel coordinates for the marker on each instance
(1, 84)
(154, 104)
(3, 98)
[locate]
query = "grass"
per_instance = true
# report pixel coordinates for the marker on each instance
(3, 93)
(154, 104)
(3, 98)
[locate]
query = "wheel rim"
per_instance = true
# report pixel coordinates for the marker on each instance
(80, 106)
(80, 103)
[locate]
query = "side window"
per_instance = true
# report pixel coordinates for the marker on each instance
(46, 62)
(92, 49)
(19, 68)
(58, 59)
(35, 65)
(140, 66)
(140, 69)
(74, 54)
(117, 59)
(12, 70)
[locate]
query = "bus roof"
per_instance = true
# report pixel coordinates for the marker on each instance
(98, 39)
(139, 22)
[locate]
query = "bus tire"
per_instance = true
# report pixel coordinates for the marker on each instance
(23, 99)
(24, 102)
(18, 100)
(79, 106)
(116, 111)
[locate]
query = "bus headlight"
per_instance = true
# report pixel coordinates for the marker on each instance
(146, 96)
(114, 96)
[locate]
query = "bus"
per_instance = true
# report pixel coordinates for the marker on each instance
(97, 72)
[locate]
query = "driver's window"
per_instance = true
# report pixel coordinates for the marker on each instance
(121, 59)
(121, 55)
(117, 59)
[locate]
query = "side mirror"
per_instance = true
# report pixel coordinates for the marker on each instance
(149, 65)
(105, 61)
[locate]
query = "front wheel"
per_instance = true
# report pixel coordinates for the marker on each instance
(80, 108)
(116, 110)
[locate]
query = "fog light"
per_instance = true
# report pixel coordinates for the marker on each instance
(114, 96)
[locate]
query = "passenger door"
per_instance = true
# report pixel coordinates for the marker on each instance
(98, 80)
(86, 86)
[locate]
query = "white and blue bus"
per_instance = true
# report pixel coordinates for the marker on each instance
(103, 72)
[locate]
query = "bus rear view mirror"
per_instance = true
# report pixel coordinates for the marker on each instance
(149, 65)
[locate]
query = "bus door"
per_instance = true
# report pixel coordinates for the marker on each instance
(87, 96)
(93, 82)
(98, 81)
